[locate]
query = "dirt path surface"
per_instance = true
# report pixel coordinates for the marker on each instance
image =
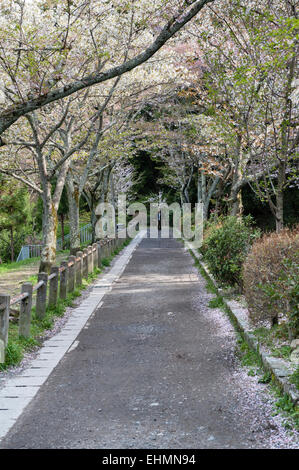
(11, 281)
(155, 368)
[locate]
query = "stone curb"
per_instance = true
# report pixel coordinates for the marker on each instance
(279, 368)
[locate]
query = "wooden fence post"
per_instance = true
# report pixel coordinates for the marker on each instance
(95, 255)
(85, 263)
(99, 248)
(79, 268)
(63, 280)
(25, 311)
(4, 321)
(108, 245)
(41, 296)
(89, 259)
(71, 286)
(103, 248)
(53, 286)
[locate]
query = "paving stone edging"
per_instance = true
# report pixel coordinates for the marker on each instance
(279, 368)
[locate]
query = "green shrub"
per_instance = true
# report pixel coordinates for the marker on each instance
(13, 355)
(294, 379)
(226, 244)
(271, 279)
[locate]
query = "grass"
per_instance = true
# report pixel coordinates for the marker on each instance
(6, 267)
(283, 403)
(84, 220)
(32, 279)
(294, 379)
(217, 302)
(15, 266)
(18, 346)
(105, 261)
(248, 356)
(271, 337)
(283, 351)
(209, 283)
(250, 359)
(265, 378)
(286, 408)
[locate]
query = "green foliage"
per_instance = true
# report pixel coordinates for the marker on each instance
(285, 406)
(148, 174)
(266, 378)
(217, 302)
(249, 358)
(225, 247)
(14, 201)
(13, 354)
(15, 217)
(283, 351)
(274, 338)
(105, 262)
(294, 379)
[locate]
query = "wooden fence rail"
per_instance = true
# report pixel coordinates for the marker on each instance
(61, 281)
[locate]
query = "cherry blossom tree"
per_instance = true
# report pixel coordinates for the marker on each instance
(45, 145)
(117, 107)
(249, 54)
(52, 49)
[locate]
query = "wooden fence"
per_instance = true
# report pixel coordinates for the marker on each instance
(61, 281)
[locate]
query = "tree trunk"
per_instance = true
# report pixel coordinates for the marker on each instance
(93, 224)
(236, 203)
(50, 222)
(199, 186)
(62, 230)
(74, 219)
(219, 197)
(186, 195)
(112, 189)
(284, 147)
(12, 251)
(280, 197)
(101, 195)
(204, 195)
